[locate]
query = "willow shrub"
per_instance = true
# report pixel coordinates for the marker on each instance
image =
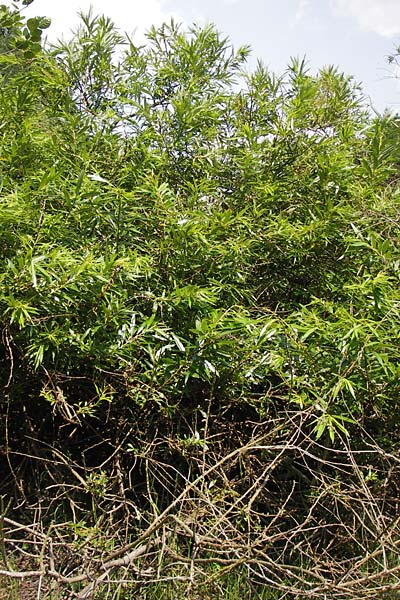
(175, 227)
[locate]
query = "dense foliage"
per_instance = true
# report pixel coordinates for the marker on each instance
(199, 308)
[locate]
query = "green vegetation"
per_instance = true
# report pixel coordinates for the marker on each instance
(199, 309)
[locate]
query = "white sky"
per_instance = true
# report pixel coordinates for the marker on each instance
(355, 35)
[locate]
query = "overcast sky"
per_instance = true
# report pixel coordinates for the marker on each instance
(355, 35)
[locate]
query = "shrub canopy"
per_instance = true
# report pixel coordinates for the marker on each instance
(194, 255)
